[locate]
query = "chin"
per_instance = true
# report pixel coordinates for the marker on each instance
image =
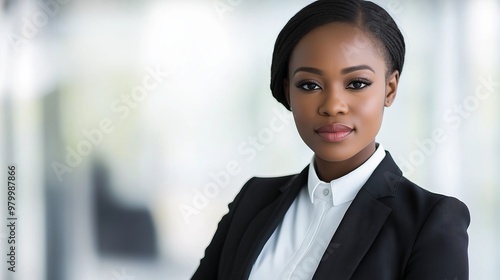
(331, 156)
(334, 152)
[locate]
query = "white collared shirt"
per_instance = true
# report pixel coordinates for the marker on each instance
(296, 247)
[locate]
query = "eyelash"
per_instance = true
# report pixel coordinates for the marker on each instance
(301, 84)
(366, 83)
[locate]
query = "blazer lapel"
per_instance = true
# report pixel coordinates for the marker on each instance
(361, 223)
(264, 224)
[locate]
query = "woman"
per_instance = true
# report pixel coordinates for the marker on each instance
(350, 214)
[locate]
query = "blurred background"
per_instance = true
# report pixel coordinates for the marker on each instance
(132, 125)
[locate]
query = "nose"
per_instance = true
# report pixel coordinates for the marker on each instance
(333, 103)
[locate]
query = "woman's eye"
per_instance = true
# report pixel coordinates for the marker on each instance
(358, 85)
(309, 86)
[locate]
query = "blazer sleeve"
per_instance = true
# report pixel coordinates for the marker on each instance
(209, 265)
(440, 250)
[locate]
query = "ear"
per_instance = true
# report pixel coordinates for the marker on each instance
(391, 88)
(286, 90)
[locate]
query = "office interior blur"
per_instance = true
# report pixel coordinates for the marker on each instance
(132, 124)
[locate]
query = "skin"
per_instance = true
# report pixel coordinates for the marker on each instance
(329, 90)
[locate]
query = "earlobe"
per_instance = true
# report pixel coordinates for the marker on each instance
(391, 88)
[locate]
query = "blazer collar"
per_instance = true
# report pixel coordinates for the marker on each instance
(263, 225)
(353, 238)
(361, 223)
(385, 179)
(297, 181)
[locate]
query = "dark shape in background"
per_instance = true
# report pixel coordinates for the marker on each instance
(120, 231)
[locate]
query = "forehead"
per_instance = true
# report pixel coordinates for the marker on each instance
(337, 45)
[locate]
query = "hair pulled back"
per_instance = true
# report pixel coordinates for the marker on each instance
(366, 15)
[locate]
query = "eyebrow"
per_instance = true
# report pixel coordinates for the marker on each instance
(308, 69)
(343, 71)
(356, 68)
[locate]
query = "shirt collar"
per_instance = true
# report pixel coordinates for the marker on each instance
(345, 188)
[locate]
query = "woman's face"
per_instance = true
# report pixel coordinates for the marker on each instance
(337, 88)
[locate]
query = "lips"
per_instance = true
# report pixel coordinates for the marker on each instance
(334, 132)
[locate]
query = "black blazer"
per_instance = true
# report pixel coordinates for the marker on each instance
(393, 230)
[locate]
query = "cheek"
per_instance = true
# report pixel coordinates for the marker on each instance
(304, 114)
(369, 111)
(303, 107)
(371, 108)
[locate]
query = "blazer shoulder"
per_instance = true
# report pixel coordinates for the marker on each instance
(439, 249)
(425, 202)
(265, 186)
(271, 181)
(418, 191)
(256, 194)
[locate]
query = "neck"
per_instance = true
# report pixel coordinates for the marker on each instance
(328, 170)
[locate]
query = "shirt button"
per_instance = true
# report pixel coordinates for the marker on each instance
(326, 192)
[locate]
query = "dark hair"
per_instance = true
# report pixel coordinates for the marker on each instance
(364, 14)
